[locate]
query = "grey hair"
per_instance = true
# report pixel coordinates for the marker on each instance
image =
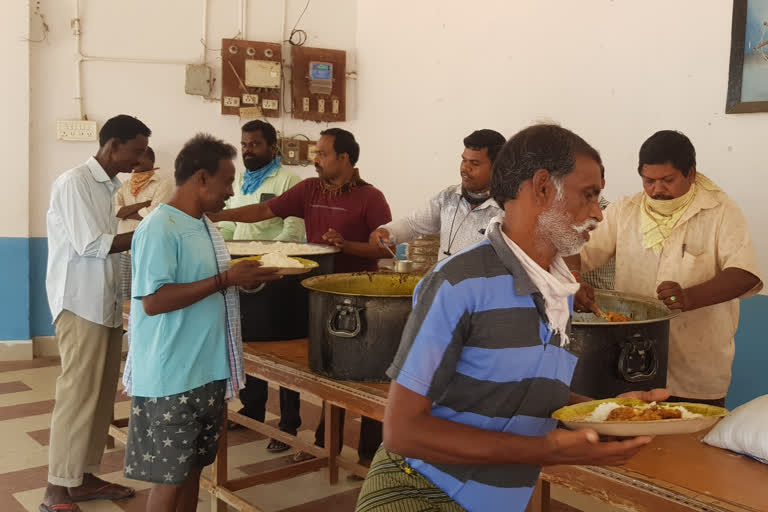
(542, 146)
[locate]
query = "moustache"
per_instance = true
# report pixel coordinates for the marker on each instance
(662, 197)
(587, 225)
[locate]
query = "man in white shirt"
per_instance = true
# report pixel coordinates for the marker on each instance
(83, 285)
(460, 213)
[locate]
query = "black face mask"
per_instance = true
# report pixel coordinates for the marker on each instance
(475, 199)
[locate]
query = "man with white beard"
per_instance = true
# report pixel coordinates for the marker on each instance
(484, 359)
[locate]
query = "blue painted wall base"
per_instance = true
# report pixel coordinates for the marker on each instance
(749, 379)
(41, 323)
(15, 289)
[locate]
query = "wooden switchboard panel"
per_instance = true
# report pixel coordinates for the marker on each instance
(312, 106)
(235, 74)
(296, 151)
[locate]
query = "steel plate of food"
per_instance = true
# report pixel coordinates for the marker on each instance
(286, 265)
(632, 417)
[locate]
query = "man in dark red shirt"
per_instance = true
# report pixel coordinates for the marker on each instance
(339, 208)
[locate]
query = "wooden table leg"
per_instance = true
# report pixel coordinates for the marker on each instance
(332, 430)
(219, 468)
(111, 440)
(540, 498)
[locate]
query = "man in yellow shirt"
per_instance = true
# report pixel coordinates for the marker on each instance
(686, 242)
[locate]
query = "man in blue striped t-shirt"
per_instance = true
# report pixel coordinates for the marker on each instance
(484, 359)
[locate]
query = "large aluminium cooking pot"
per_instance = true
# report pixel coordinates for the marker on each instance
(356, 321)
(617, 357)
(279, 310)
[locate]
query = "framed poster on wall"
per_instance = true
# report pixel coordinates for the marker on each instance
(748, 74)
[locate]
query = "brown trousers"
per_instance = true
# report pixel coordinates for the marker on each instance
(85, 397)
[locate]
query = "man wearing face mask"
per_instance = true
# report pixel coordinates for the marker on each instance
(686, 242)
(460, 213)
(484, 359)
(263, 178)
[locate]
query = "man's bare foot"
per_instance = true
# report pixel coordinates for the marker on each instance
(57, 495)
(94, 488)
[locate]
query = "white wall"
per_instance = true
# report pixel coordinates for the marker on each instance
(430, 72)
(613, 71)
(151, 29)
(14, 129)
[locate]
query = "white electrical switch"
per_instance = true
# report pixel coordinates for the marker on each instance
(335, 106)
(250, 99)
(231, 101)
(76, 130)
(305, 104)
(267, 104)
(321, 105)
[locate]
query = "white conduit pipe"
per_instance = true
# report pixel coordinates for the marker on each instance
(204, 38)
(244, 19)
(80, 57)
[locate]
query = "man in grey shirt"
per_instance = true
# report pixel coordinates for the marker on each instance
(460, 213)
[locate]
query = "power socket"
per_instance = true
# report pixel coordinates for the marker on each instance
(76, 130)
(268, 104)
(321, 105)
(231, 101)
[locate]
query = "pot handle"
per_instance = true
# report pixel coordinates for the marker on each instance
(252, 291)
(638, 361)
(345, 321)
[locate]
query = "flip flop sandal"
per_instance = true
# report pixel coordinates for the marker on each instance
(62, 507)
(276, 446)
(99, 494)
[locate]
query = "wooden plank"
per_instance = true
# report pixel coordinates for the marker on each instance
(268, 477)
(278, 434)
(363, 400)
(332, 426)
(684, 461)
(219, 470)
(226, 497)
(118, 434)
(621, 495)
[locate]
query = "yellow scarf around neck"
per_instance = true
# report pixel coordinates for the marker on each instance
(658, 218)
(139, 180)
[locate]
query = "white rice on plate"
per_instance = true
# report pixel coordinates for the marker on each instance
(279, 260)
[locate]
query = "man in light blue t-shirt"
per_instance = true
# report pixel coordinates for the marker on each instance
(179, 332)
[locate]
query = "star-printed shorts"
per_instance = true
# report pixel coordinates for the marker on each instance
(170, 437)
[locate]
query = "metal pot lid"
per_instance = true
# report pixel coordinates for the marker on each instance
(642, 310)
(365, 284)
(259, 247)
